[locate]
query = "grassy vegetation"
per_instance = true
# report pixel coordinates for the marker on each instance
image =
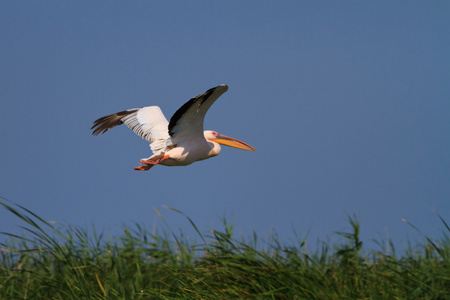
(62, 262)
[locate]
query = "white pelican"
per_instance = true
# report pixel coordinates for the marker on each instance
(179, 142)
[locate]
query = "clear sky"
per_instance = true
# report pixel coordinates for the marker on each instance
(346, 102)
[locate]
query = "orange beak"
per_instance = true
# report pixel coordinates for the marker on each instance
(228, 141)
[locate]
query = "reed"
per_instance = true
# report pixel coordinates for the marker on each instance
(64, 262)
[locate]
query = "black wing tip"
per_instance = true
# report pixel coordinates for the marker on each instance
(204, 96)
(223, 86)
(103, 124)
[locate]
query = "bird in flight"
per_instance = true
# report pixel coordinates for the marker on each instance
(179, 142)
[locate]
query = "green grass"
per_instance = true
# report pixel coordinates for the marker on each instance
(62, 262)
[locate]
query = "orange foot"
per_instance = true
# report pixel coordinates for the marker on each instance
(151, 162)
(143, 168)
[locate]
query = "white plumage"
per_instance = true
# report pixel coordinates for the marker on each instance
(179, 142)
(151, 124)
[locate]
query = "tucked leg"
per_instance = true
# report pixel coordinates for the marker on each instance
(151, 162)
(143, 168)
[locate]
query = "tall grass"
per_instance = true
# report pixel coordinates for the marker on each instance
(63, 262)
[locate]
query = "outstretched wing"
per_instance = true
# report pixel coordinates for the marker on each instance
(148, 122)
(187, 122)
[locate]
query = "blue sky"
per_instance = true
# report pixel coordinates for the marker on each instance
(346, 102)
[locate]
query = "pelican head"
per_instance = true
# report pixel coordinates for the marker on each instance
(214, 136)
